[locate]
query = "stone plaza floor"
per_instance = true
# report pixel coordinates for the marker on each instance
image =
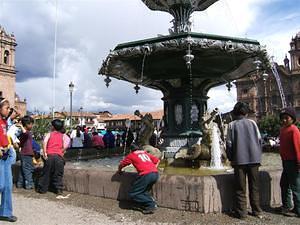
(35, 209)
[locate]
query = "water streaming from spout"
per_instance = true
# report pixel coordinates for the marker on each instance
(216, 162)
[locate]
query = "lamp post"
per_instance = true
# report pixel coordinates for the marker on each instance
(80, 109)
(265, 77)
(71, 89)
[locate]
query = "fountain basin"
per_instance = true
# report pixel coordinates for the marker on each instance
(205, 194)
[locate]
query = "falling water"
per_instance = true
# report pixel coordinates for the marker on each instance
(215, 162)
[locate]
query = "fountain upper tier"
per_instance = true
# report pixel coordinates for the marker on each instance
(181, 10)
(152, 62)
(169, 5)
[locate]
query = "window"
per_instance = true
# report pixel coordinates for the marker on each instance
(6, 55)
(245, 91)
(298, 61)
(1, 94)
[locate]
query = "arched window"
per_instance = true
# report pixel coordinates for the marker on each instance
(6, 55)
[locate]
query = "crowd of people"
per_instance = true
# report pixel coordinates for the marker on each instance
(243, 147)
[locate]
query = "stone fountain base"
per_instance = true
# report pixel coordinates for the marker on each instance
(205, 194)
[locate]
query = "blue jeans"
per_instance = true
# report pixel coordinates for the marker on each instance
(6, 184)
(26, 171)
(140, 190)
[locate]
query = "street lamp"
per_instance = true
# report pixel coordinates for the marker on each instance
(71, 89)
(80, 109)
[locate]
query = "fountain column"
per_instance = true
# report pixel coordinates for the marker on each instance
(182, 115)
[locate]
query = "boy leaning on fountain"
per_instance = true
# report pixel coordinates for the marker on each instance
(243, 148)
(146, 166)
(290, 156)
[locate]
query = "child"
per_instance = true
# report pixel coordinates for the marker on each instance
(54, 147)
(243, 148)
(146, 166)
(290, 155)
(25, 178)
(7, 158)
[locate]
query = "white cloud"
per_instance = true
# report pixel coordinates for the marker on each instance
(87, 30)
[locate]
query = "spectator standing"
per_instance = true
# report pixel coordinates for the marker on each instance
(77, 138)
(243, 146)
(290, 156)
(7, 158)
(54, 147)
(25, 178)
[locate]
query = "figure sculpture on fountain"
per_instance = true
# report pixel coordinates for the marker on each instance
(212, 127)
(146, 131)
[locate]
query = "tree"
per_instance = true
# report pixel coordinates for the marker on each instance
(270, 125)
(41, 127)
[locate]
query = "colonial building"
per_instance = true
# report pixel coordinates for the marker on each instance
(261, 89)
(118, 121)
(8, 70)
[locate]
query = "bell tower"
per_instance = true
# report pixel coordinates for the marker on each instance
(295, 54)
(7, 66)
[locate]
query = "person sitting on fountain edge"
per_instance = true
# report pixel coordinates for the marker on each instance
(54, 147)
(243, 148)
(146, 166)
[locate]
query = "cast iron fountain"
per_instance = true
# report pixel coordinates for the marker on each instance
(183, 65)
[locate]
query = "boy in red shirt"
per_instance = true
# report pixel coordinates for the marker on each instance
(54, 147)
(290, 155)
(146, 166)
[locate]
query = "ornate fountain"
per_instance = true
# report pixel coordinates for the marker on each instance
(184, 66)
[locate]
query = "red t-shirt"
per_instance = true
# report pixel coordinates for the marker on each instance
(143, 162)
(290, 143)
(3, 133)
(97, 141)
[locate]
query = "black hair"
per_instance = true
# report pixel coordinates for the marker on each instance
(26, 120)
(241, 109)
(2, 101)
(78, 129)
(94, 133)
(134, 147)
(57, 124)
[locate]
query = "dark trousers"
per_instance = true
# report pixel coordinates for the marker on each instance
(25, 178)
(52, 174)
(240, 174)
(140, 190)
(290, 185)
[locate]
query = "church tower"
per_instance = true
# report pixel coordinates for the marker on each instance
(7, 66)
(295, 54)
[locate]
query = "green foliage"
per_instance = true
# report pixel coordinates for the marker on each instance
(298, 124)
(270, 125)
(41, 127)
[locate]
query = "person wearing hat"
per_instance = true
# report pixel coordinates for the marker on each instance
(290, 156)
(146, 166)
(243, 148)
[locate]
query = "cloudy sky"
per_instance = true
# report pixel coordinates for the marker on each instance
(88, 29)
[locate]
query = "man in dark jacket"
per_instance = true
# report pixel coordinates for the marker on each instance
(243, 147)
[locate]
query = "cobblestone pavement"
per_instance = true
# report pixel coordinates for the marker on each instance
(35, 209)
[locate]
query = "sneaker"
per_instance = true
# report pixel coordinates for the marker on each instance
(238, 215)
(288, 212)
(149, 210)
(258, 215)
(59, 192)
(9, 219)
